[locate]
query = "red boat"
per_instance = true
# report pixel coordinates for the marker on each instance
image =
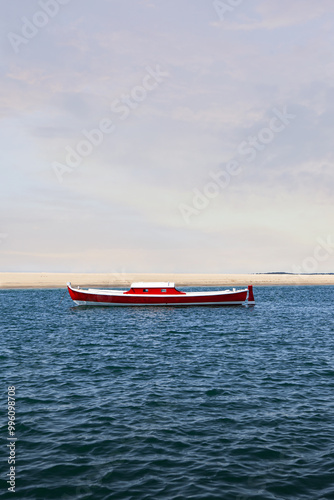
(159, 294)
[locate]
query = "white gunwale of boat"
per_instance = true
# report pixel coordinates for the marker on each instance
(94, 291)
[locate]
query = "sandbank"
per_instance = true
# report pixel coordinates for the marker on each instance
(59, 280)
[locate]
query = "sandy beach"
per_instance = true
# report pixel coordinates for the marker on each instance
(59, 280)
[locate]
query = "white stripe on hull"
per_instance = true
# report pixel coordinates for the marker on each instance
(84, 303)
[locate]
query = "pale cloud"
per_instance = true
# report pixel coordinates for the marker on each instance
(264, 15)
(223, 84)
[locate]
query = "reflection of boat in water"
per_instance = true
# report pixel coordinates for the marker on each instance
(159, 294)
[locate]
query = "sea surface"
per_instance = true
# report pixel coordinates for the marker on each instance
(170, 403)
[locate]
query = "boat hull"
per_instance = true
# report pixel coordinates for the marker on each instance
(116, 298)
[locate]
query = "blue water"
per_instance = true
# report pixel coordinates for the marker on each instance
(170, 403)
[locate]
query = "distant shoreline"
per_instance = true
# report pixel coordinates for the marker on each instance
(59, 280)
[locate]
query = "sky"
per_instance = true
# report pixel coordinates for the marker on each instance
(167, 136)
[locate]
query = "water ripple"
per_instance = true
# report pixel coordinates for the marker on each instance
(168, 403)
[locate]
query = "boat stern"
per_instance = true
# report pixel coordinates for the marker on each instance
(251, 300)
